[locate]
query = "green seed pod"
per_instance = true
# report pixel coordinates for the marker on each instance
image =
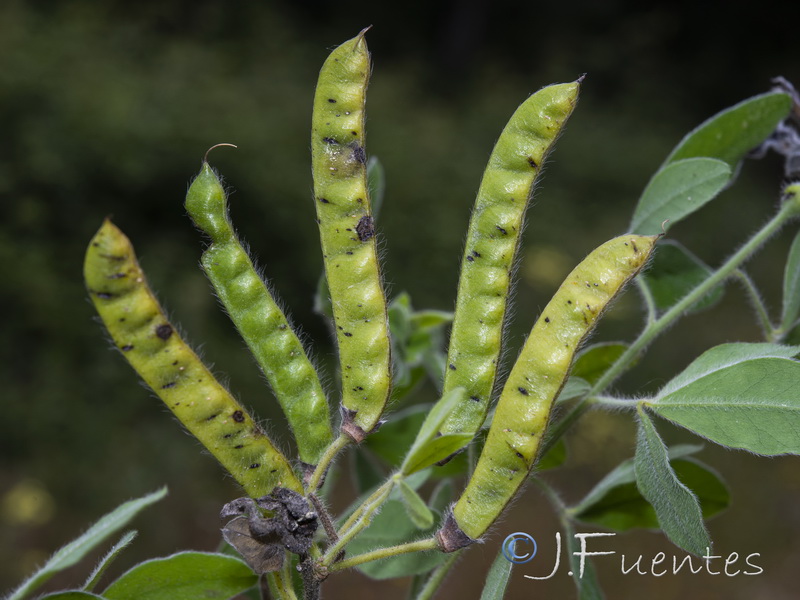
(260, 321)
(154, 348)
(492, 242)
(535, 381)
(347, 233)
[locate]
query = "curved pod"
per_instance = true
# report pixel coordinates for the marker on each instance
(492, 242)
(535, 381)
(154, 348)
(347, 234)
(260, 321)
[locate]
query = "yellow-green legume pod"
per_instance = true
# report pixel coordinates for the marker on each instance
(347, 233)
(492, 241)
(535, 381)
(154, 348)
(259, 320)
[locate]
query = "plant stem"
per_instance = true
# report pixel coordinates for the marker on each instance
(758, 304)
(649, 301)
(331, 451)
(624, 403)
(437, 578)
(652, 330)
(281, 586)
(360, 518)
(420, 546)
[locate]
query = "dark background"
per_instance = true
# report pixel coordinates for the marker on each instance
(107, 109)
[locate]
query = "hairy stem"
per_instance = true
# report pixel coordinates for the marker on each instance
(318, 476)
(360, 518)
(420, 546)
(758, 304)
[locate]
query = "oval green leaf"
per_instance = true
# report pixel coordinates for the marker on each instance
(732, 133)
(616, 503)
(676, 191)
(497, 578)
(676, 506)
(184, 576)
(80, 547)
(791, 286)
(417, 510)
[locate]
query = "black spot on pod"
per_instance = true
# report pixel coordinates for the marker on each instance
(116, 276)
(501, 230)
(532, 162)
(547, 319)
(164, 331)
(470, 258)
(254, 466)
(331, 100)
(104, 295)
(127, 347)
(238, 416)
(365, 228)
(169, 385)
(452, 367)
(329, 140)
(523, 391)
(359, 155)
(324, 200)
(474, 398)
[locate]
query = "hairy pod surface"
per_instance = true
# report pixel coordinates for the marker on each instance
(154, 348)
(536, 379)
(492, 242)
(347, 234)
(260, 321)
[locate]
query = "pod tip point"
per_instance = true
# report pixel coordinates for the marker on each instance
(205, 157)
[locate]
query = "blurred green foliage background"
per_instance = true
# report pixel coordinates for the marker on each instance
(106, 108)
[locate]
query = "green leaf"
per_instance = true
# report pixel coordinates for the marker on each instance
(574, 388)
(616, 503)
(80, 547)
(434, 450)
(106, 561)
(431, 319)
(184, 576)
(677, 508)
(395, 436)
(400, 318)
(555, 457)
(497, 578)
(593, 361)
(791, 286)
(676, 191)
(428, 449)
(673, 273)
(71, 595)
(391, 527)
(588, 587)
(732, 133)
(417, 510)
(738, 395)
(376, 184)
